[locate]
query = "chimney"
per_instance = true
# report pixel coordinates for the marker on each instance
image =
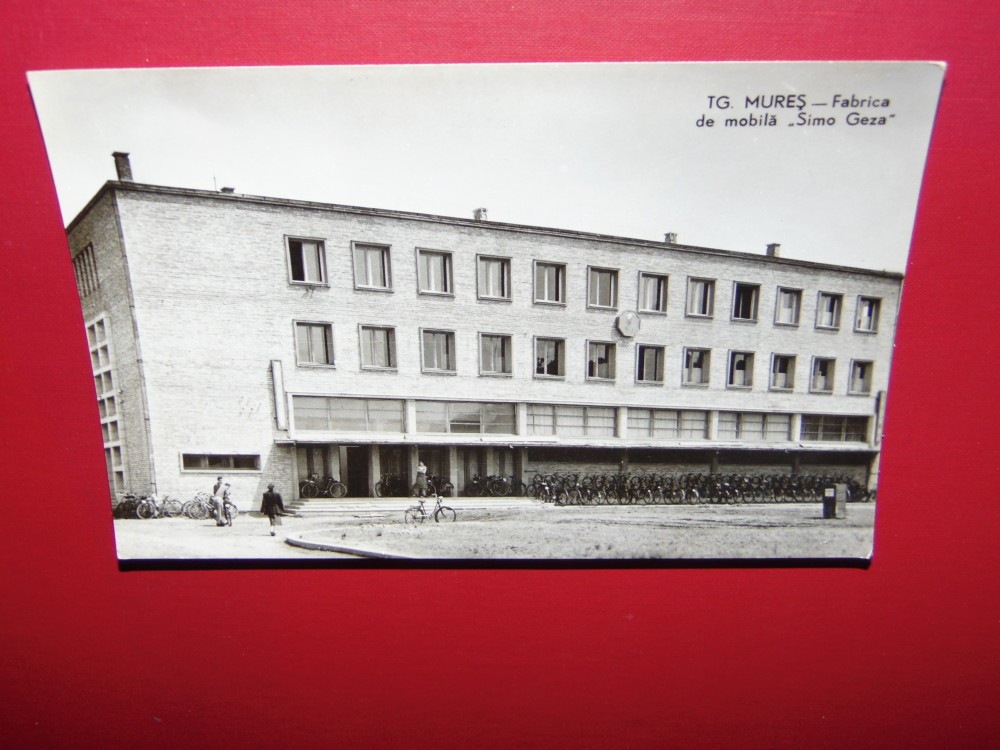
(479, 214)
(227, 190)
(122, 166)
(774, 250)
(670, 238)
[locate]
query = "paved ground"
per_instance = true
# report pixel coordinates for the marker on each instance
(519, 530)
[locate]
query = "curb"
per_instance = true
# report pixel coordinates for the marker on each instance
(343, 549)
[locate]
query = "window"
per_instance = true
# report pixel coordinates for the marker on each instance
(667, 424)
(701, 298)
(867, 317)
(307, 261)
(822, 375)
(650, 360)
(828, 310)
(314, 343)
(494, 354)
(347, 414)
(371, 267)
(464, 417)
(740, 370)
(696, 363)
(782, 372)
(378, 347)
(652, 292)
(107, 405)
(745, 298)
(600, 360)
(85, 269)
(439, 351)
(861, 377)
(834, 428)
(602, 287)
(550, 283)
(786, 311)
(434, 272)
(572, 421)
(550, 358)
(754, 426)
(494, 278)
(220, 461)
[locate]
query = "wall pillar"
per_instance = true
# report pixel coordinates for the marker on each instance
(374, 468)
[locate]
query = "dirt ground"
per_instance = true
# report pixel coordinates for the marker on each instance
(794, 530)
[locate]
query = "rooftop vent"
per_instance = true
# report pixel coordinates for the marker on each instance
(774, 250)
(122, 166)
(670, 238)
(479, 214)
(227, 190)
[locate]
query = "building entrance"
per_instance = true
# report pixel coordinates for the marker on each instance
(357, 471)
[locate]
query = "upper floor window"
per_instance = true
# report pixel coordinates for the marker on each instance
(306, 261)
(600, 360)
(494, 354)
(439, 351)
(493, 275)
(789, 304)
(867, 317)
(650, 361)
(550, 358)
(314, 343)
(822, 375)
(745, 298)
(378, 347)
(550, 283)
(701, 298)
(85, 269)
(696, 366)
(828, 310)
(371, 267)
(740, 369)
(652, 292)
(602, 287)
(434, 272)
(861, 377)
(782, 372)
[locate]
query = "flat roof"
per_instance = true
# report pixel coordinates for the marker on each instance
(137, 187)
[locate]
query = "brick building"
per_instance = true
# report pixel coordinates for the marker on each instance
(264, 339)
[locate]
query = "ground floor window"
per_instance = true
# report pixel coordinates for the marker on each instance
(571, 421)
(465, 417)
(348, 414)
(754, 426)
(834, 428)
(667, 424)
(220, 461)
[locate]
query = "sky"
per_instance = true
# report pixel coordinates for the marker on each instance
(611, 148)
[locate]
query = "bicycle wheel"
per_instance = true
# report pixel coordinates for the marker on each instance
(379, 489)
(146, 510)
(171, 508)
(309, 490)
(338, 489)
(448, 490)
(413, 515)
(444, 513)
(575, 497)
(199, 511)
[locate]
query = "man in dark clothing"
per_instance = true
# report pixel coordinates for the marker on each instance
(273, 507)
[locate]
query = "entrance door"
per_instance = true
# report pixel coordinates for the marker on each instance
(357, 471)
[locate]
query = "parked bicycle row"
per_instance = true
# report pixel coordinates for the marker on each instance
(200, 507)
(649, 488)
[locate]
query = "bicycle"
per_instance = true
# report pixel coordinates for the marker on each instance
(418, 513)
(152, 507)
(389, 485)
(326, 487)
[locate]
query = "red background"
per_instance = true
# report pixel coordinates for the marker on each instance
(904, 654)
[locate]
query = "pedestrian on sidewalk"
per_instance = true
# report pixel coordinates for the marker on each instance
(273, 507)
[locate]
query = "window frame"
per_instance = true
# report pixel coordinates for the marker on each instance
(231, 468)
(509, 350)
(613, 349)
(508, 275)
(453, 354)
(754, 290)
(661, 364)
(613, 275)
(750, 360)
(831, 377)
(877, 301)
(561, 354)
(798, 306)
(710, 287)
(664, 292)
(793, 364)
(362, 345)
(449, 272)
(706, 370)
(839, 298)
(561, 271)
(331, 352)
(321, 260)
(850, 377)
(386, 252)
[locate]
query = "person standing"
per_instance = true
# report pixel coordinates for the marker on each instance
(273, 507)
(420, 485)
(220, 494)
